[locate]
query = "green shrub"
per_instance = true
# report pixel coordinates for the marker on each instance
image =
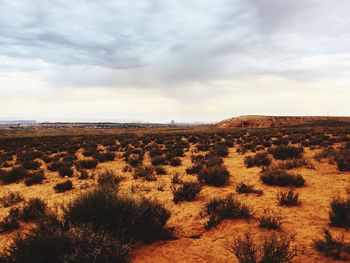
(109, 178)
(34, 178)
(260, 159)
(270, 220)
(63, 187)
(339, 214)
(186, 192)
(175, 162)
(10, 199)
(215, 176)
(88, 164)
(56, 244)
(33, 210)
(268, 249)
(283, 152)
(14, 175)
(128, 217)
(288, 198)
(334, 247)
(243, 188)
(10, 222)
(281, 178)
(228, 207)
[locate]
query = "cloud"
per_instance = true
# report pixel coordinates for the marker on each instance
(186, 52)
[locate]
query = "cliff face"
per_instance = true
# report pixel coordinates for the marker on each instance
(256, 121)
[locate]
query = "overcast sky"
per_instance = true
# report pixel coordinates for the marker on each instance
(160, 60)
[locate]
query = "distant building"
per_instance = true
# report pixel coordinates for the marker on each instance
(172, 122)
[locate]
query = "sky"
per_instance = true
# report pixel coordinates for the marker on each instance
(163, 60)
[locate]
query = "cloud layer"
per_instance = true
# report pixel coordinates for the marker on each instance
(184, 60)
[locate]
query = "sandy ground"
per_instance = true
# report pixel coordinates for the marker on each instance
(193, 243)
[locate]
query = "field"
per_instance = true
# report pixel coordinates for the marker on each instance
(197, 194)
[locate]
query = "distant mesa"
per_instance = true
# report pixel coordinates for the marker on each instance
(260, 121)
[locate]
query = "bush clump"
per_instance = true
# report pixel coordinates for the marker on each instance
(175, 162)
(270, 220)
(216, 175)
(259, 160)
(186, 192)
(88, 164)
(10, 199)
(63, 187)
(334, 247)
(283, 152)
(65, 171)
(243, 188)
(146, 172)
(127, 217)
(339, 214)
(10, 222)
(228, 207)
(55, 243)
(109, 178)
(33, 210)
(14, 175)
(281, 178)
(288, 198)
(275, 248)
(35, 178)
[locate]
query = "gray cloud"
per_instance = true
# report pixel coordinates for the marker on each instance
(177, 48)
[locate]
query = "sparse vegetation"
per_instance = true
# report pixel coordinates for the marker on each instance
(281, 178)
(63, 187)
(270, 220)
(187, 191)
(339, 214)
(243, 188)
(288, 198)
(259, 160)
(334, 247)
(219, 209)
(275, 248)
(216, 175)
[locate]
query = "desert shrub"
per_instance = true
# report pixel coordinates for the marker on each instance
(186, 192)
(220, 150)
(56, 244)
(14, 175)
(334, 247)
(175, 162)
(104, 157)
(56, 165)
(213, 160)
(83, 174)
(128, 217)
(342, 158)
(339, 214)
(176, 179)
(10, 199)
(329, 152)
(158, 160)
(275, 248)
(270, 220)
(65, 171)
(33, 210)
(109, 178)
(260, 159)
(63, 187)
(160, 170)
(47, 159)
(34, 178)
(31, 165)
(294, 163)
(88, 164)
(288, 198)
(10, 222)
(281, 178)
(243, 188)
(215, 176)
(228, 207)
(283, 152)
(195, 169)
(146, 172)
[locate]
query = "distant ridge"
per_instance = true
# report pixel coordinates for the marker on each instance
(261, 121)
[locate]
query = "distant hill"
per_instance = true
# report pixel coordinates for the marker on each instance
(259, 121)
